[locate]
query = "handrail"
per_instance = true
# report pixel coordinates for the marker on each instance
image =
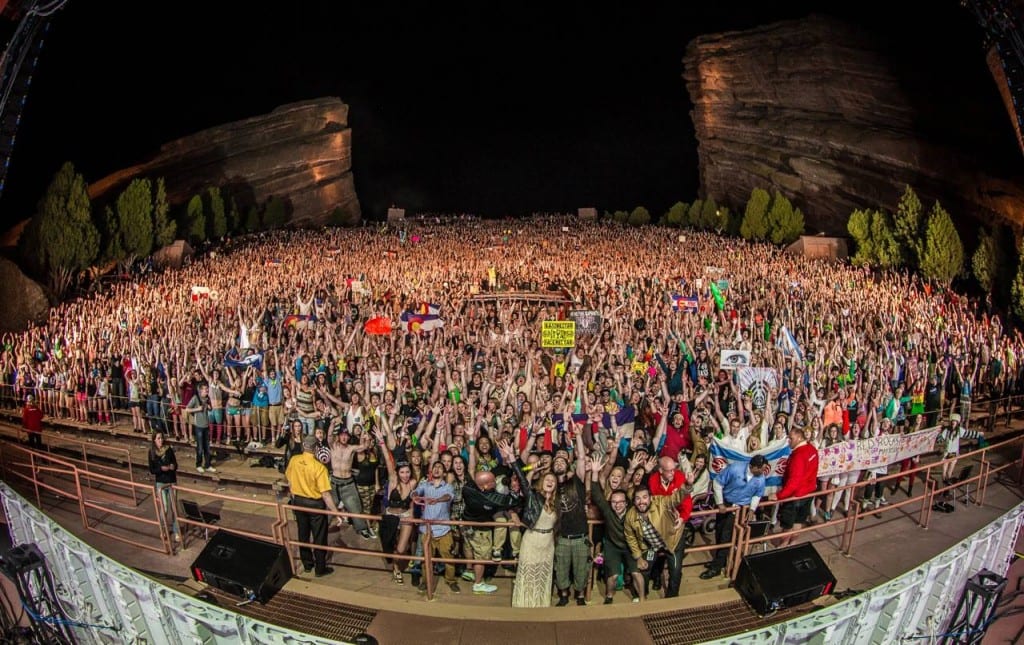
(39, 463)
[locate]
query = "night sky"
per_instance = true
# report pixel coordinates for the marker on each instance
(490, 108)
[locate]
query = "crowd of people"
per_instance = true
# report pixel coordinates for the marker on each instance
(409, 363)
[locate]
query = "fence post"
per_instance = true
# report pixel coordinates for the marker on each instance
(428, 559)
(740, 541)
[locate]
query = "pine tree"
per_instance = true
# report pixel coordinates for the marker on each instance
(61, 238)
(234, 217)
(135, 218)
(1017, 288)
(164, 229)
(908, 228)
(693, 215)
(708, 215)
(859, 227)
(985, 261)
(755, 218)
(218, 221)
(253, 219)
(676, 215)
(639, 217)
(887, 249)
(196, 219)
(943, 257)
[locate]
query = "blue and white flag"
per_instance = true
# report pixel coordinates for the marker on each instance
(787, 343)
(776, 452)
(232, 359)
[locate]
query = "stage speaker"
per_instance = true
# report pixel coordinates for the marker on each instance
(783, 578)
(244, 567)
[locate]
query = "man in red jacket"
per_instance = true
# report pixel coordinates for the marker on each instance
(800, 478)
(32, 421)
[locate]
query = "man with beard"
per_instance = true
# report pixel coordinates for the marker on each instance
(572, 548)
(343, 483)
(651, 530)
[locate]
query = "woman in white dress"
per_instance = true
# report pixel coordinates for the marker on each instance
(537, 550)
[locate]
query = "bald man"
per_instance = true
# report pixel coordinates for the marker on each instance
(482, 501)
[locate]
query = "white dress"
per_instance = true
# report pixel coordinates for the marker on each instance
(536, 564)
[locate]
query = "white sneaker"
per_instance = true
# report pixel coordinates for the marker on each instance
(882, 502)
(868, 504)
(200, 469)
(211, 469)
(483, 587)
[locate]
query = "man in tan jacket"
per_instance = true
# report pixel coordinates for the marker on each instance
(653, 529)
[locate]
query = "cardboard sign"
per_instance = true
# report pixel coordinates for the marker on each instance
(377, 382)
(587, 321)
(732, 359)
(558, 333)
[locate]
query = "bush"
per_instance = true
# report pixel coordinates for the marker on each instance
(639, 217)
(754, 225)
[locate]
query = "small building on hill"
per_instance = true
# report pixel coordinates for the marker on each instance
(820, 247)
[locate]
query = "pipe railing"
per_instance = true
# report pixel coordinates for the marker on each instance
(280, 531)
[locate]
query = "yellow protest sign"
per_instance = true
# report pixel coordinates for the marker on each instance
(558, 333)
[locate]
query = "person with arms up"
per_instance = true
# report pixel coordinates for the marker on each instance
(311, 488)
(800, 478)
(740, 484)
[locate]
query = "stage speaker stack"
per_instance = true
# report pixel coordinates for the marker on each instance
(783, 578)
(243, 567)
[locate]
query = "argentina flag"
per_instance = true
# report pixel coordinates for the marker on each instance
(777, 454)
(787, 343)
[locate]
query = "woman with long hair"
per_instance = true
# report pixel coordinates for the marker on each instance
(164, 467)
(537, 549)
(395, 536)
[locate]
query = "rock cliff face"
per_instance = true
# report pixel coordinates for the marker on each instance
(25, 301)
(811, 108)
(300, 152)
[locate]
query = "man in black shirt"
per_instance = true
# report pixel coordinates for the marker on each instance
(481, 502)
(572, 546)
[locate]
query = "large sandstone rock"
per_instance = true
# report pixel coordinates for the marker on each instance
(24, 300)
(300, 152)
(810, 108)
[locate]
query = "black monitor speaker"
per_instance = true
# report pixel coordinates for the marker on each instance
(783, 578)
(243, 567)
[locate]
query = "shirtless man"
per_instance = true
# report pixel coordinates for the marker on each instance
(343, 484)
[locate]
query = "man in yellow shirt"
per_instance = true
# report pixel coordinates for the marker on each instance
(311, 488)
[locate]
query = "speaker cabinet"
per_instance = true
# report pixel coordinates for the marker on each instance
(783, 578)
(243, 567)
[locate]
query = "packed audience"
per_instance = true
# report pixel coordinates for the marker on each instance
(413, 355)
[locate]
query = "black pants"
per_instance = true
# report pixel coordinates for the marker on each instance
(35, 440)
(313, 530)
(674, 562)
(723, 535)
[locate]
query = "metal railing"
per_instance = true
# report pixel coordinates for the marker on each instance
(64, 477)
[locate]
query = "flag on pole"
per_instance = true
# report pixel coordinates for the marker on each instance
(233, 359)
(716, 293)
(787, 343)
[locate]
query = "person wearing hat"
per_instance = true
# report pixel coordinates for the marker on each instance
(950, 436)
(32, 421)
(311, 488)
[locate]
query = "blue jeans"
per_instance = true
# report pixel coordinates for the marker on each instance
(202, 436)
(156, 420)
(170, 518)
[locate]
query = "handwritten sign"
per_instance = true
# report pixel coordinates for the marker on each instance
(587, 322)
(558, 333)
(876, 452)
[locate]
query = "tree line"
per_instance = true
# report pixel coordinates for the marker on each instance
(68, 233)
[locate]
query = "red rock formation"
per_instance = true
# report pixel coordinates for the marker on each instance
(300, 152)
(809, 107)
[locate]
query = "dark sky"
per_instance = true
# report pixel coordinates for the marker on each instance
(491, 108)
